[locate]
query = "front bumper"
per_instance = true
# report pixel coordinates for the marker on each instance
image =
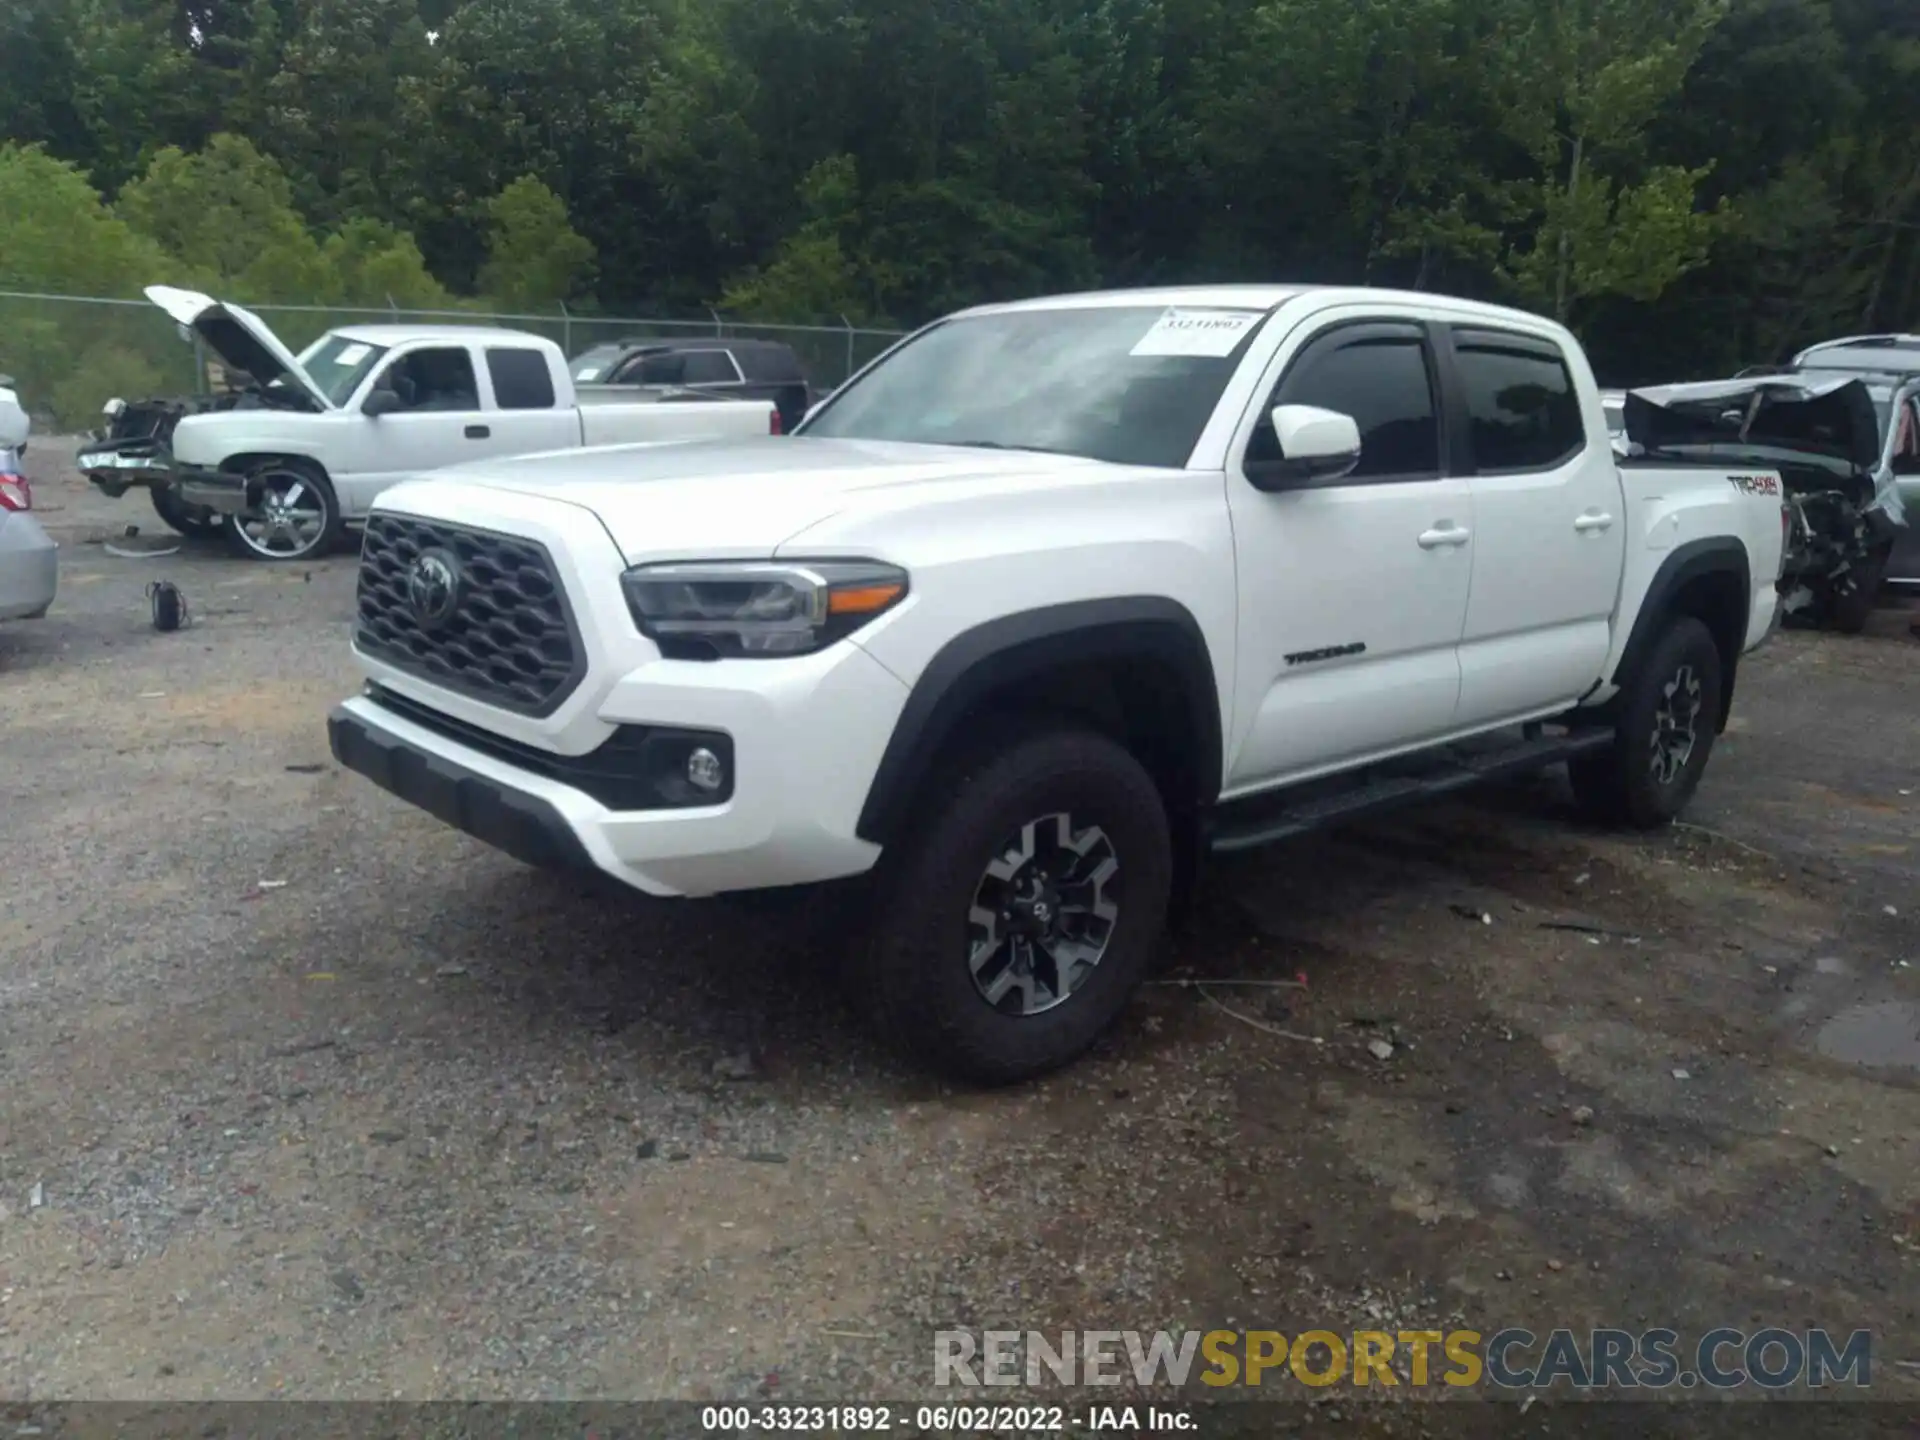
(526, 826)
(116, 466)
(801, 740)
(218, 490)
(29, 567)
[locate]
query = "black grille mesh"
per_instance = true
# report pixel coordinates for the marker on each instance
(510, 640)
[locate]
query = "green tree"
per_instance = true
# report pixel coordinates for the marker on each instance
(226, 214)
(60, 238)
(816, 273)
(369, 262)
(1584, 81)
(534, 255)
(346, 109)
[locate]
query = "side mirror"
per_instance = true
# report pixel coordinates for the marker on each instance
(380, 402)
(1316, 447)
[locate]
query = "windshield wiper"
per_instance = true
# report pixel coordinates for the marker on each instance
(999, 445)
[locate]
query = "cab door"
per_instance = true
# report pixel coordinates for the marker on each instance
(437, 418)
(1352, 594)
(1550, 514)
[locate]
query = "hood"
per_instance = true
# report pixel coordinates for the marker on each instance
(239, 337)
(1834, 418)
(731, 499)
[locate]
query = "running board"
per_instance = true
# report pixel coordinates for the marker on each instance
(1262, 819)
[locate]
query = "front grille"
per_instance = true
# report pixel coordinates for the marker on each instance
(508, 639)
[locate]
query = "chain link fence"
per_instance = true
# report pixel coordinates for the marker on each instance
(70, 354)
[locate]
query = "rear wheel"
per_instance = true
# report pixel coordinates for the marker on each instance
(1668, 715)
(293, 513)
(1020, 911)
(196, 522)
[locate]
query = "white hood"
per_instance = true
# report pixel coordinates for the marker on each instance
(725, 499)
(239, 337)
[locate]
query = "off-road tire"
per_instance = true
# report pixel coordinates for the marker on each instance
(913, 976)
(1620, 784)
(315, 487)
(196, 522)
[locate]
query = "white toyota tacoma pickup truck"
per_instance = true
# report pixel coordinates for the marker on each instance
(286, 462)
(1045, 603)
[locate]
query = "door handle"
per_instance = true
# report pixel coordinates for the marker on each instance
(478, 432)
(1593, 520)
(1448, 534)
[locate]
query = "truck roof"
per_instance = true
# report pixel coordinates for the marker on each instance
(1259, 297)
(391, 335)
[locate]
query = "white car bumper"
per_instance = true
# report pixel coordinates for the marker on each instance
(790, 732)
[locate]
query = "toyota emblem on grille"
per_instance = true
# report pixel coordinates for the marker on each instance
(433, 586)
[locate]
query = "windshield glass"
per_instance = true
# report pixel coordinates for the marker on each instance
(1131, 384)
(593, 364)
(338, 365)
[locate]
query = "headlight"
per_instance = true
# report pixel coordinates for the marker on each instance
(757, 608)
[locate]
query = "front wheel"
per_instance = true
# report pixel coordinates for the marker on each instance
(293, 513)
(1020, 911)
(1668, 716)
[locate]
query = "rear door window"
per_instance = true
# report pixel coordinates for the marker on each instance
(521, 379)
(1523, 413)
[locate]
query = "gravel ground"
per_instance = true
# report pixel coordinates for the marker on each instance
(320, 1099)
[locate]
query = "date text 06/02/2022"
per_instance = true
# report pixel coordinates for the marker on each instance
(1012, 1420)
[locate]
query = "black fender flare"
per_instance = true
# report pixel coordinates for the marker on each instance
(1029, 643)
(1713, 555)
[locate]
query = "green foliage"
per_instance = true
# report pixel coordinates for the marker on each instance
(1693, 184)
(59, 237)
(101, 372)
(227, 215)
(535, 258)
(369, 262)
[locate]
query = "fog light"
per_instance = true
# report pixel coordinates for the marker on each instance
(703, 770)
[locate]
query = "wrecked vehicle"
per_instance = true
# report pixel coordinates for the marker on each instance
(283, 464)
(1840, 453)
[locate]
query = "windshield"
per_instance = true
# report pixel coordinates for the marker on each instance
(1134, 385)
(338, 365)
(592, 365)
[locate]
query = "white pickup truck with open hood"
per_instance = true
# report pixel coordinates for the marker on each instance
(284, 463)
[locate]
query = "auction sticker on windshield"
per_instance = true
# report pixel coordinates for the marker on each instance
(1211, 333)
(352, 355)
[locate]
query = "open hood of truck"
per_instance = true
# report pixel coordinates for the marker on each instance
(239, 337)
(1830, 418)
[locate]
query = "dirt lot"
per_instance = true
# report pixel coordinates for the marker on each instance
(321, 1099)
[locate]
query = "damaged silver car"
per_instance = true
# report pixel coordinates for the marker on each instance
(1841, 452)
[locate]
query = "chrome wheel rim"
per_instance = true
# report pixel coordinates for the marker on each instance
(291, 518)
(1675, 725)
(1043, 915)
